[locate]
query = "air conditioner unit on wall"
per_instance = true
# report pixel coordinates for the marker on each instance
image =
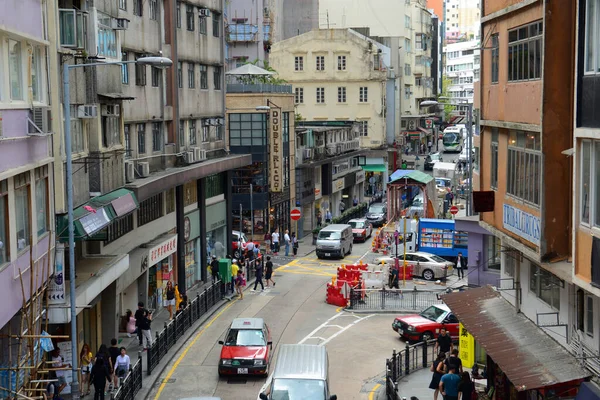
(308, 154)
(199, 154)
(87, 111)
(40, 121)
(129, 171)
(111, 110)
(188, 156)
(204, 12)
(144, 169)
(120, 24)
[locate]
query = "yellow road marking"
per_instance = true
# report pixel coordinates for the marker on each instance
(373, 391)
(339, 309)
(187, 348)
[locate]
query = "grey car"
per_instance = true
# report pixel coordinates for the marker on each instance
(377, 214)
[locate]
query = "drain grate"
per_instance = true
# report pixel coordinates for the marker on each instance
(233, 381)
(170, 380)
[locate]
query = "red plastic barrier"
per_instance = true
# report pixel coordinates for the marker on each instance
(409, 272)
(335, 297)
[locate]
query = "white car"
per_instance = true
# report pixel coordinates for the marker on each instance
(426, 265)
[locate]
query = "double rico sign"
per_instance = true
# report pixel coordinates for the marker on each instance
(276, 167)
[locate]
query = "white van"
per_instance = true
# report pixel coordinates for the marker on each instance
(301, 373)
(335, 241)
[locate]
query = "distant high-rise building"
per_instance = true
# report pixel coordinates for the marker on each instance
(461, 20)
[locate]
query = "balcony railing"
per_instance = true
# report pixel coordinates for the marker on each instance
(339, 148)
(258, 88)
(242, 33)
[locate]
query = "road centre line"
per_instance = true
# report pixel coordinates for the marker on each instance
(188, 347)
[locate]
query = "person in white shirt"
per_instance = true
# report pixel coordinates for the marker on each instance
(250, 250)
(287, 241)
(122, 364)
(275, 239)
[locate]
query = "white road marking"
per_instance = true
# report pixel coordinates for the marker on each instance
(364, 255)
(318, 328)
(327, 324)
(343, 330)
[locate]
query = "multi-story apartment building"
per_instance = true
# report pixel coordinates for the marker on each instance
(461, 70)
(27, 236)
(151, 167)
(249, 31)
(462, 19)
(586, 200)
(526, 123)
(339, 76)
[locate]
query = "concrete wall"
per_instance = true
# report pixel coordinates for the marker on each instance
(359, 72)
(14, 12)
(253, 10)
(298, 17)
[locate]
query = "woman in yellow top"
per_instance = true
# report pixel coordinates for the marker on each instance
(85, 360)
(234, 271)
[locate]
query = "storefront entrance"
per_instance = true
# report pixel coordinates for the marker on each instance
(216, 230)
(161, 259)
(193, 270)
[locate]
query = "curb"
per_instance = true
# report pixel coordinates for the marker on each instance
(373, 311)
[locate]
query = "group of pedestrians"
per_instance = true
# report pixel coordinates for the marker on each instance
(273, 245)
(448, 378)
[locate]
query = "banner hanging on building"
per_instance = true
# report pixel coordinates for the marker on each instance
(56, 286)
(466, 346)
(276, 152)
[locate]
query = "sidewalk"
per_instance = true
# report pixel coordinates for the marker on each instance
(415, 384)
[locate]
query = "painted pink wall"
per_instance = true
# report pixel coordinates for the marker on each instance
(24, 16)
(23, 151)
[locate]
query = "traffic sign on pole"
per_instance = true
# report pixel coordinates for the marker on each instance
(295, 214)
(453, 210)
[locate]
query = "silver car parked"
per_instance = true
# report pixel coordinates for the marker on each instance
(426, 265)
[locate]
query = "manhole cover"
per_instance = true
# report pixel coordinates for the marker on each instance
(170, 380)
(236, 381)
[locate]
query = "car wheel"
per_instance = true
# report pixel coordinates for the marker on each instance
(319, 257)
(428, 275)
(426, 336)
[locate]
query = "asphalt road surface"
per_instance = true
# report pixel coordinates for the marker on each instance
(296, 312)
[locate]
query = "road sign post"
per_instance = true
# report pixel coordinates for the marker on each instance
(453, 210)
(295, 215)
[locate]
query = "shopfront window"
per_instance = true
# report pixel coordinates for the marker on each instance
(280, 216)
(545, 285)
(192, 258)
(214, 185)
(216, 230)
(254, 174)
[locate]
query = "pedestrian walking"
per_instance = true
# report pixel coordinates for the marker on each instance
(214, 268)
(170, 299)
(355, 201)
(319, 219)
(139, 315)
(438, 371)
(275, 239)
(443, 343)
(466, 389)
(59, 362)
(453, 362)
(295, 244)
(240, 282)
(429, 145)
(122, 364)
(114, 352)
(269, 272)
(342, 207)
(99, 377)
(449, 385)
(85, 360)
(183, 304)
(234, 271)
(267, 240)
(328, 217)
(250, 250)
(259, 276)
(460, 265)
(144, 326)
(287, 241)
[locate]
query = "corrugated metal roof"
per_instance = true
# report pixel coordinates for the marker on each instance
(247, 323)
(528, 356)
(301, 361)
(410, 174)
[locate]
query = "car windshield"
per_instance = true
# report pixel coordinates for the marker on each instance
(437, 259)
(450, 138)
(357, 224)
(376, 209)
(292, 389)
(329, 235)
(433, 313)
(245, 337)
(435, 157)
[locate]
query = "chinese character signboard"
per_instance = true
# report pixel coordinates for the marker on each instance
(466, 347)
(162, 250)
(276, 152)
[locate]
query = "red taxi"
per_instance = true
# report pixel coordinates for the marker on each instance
(361, 229)
(246, 349)
(427, 325)
(240, 238)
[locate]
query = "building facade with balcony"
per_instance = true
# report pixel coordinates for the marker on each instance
(248, 31)
(264, 192)
(152, 202)
(586, 201)
(328, 170)
(27, 236)
(461, 70)
(521, 161)
(338, 76)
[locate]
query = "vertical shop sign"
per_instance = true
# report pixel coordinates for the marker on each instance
(56, 286)
(466, 346)
(276, 149)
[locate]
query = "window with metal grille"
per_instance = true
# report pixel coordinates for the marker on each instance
(141, 136)
(153, 10)
(202, 25)
(118, 228)
(150, 209)
(299, 95)
(138, 7)
(191, 76)
(157, 139)
(189, 17)
(155, 76)
(203, 77)
(320, 63)
(140, 72)
(216, 24)
(341, 94)
(298, 63)
(524, 166)
(341, 65)
(320, 95)
(363, 94)
(192, 132)
(217, 77)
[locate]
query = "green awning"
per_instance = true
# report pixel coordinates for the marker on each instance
(374, 167)
(94, 215)
(418, 176)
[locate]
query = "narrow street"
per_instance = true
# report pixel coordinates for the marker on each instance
(296, 312)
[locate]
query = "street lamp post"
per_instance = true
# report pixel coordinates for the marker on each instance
(157, 62)
(469, 108)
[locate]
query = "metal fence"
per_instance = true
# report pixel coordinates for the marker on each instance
(393, 299)
(175, 329)
(132, 383)
(402, 363)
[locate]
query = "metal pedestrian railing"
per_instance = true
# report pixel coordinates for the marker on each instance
(176, 328)
(412, 358)
(131, 384)
(393, 299)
